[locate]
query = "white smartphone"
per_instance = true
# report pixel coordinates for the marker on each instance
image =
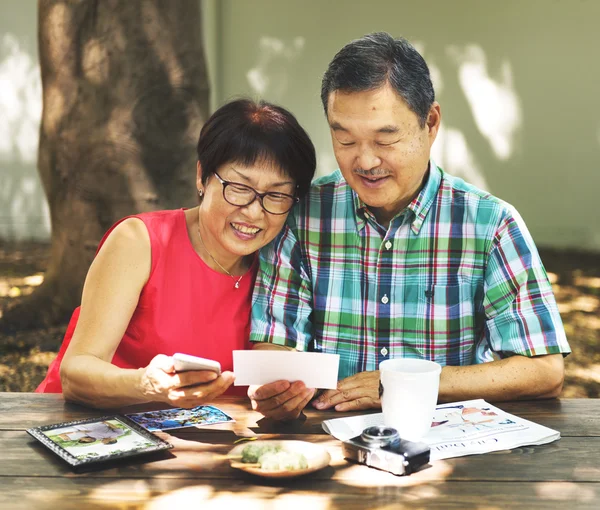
(185, 362)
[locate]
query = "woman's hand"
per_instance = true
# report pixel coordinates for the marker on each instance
(160, 382)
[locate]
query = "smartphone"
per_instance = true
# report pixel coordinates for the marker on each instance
(185, 362)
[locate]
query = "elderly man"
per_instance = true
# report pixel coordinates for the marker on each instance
(392, 257)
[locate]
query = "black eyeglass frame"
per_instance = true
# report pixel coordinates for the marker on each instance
(257, 195)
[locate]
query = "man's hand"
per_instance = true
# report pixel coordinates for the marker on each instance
(360, 391)
(280, 400)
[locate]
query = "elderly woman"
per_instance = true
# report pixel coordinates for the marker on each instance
(181, 281)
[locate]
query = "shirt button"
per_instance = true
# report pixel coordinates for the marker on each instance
(384, 299)
(384, 352)
(388, 245)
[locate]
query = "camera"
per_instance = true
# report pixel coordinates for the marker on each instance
(382, 448)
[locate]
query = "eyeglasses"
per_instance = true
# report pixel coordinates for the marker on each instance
(242, 195)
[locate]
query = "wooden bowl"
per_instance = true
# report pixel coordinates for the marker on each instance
(317, 458)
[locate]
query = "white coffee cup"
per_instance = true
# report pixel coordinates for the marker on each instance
(410, 393)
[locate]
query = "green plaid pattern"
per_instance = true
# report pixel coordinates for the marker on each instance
(456, 279)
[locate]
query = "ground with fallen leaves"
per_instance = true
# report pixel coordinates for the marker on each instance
(25, 356)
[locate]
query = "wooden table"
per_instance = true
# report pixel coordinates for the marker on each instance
(564, 474)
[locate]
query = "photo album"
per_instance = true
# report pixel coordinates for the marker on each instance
(97, 442)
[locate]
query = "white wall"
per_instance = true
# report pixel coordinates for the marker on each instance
(23, 208)
(517, 81)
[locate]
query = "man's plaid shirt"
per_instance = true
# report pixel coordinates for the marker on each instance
(456, 279)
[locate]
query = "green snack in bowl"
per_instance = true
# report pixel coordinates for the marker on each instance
(282, 461)
(272, 457)
(252, 453)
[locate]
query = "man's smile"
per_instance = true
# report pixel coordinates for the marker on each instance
(372, 181)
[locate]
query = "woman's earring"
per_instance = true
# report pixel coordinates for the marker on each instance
(200, 193)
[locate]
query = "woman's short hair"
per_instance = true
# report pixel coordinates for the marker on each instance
(246, 132)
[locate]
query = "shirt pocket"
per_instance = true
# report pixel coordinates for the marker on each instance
(441, 320)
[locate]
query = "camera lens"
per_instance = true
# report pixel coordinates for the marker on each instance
(379, 435)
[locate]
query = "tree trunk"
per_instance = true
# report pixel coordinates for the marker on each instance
(125, 92)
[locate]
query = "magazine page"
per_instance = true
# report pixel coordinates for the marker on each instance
(460, 428)
(474, 426)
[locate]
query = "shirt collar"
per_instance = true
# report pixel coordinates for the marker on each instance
(419, 206)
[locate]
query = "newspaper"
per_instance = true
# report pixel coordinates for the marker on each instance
(460, 428)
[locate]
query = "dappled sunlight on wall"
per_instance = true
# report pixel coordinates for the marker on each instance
(494, 102)
(270, 75)
(494, 106)
(452, 153)
(21, 198)
(451, 150)
(20, 102)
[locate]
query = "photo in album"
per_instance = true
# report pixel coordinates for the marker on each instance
(168, 419)
(98, 440)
